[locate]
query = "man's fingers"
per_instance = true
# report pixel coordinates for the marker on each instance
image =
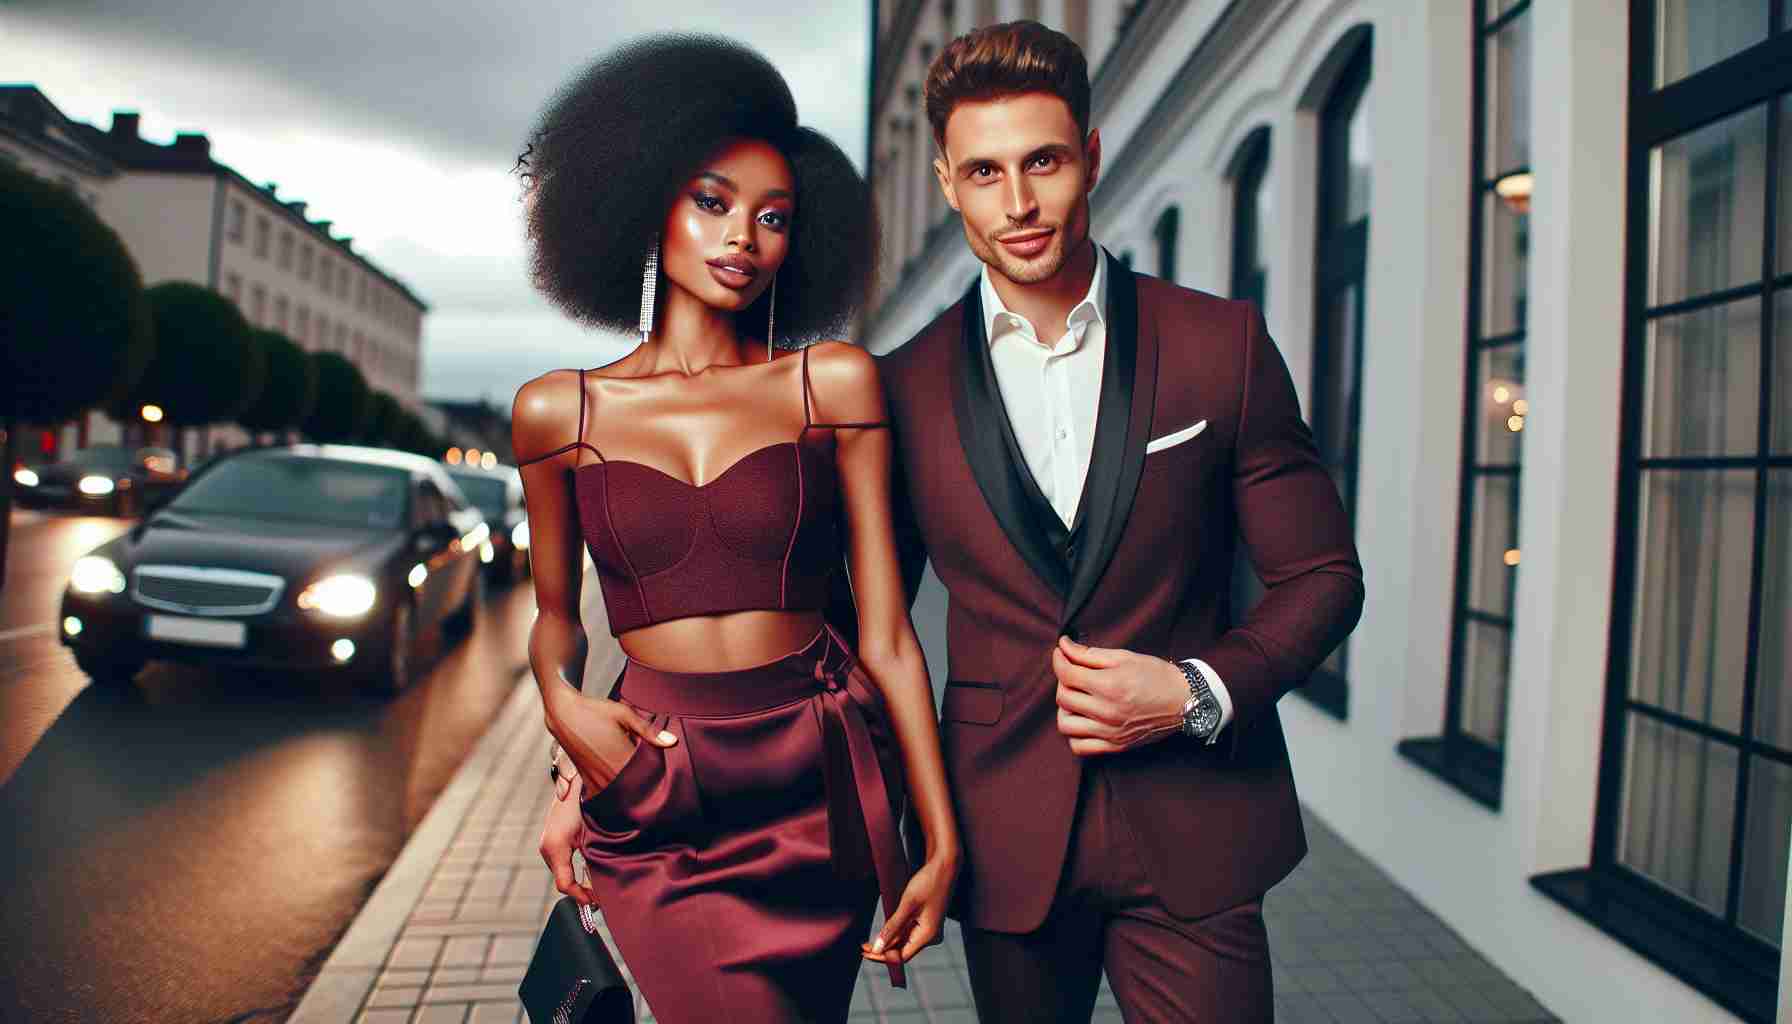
(1091, 657)
(1069, 673)
(1077, 727)
(1086, 746)
(1080, 703)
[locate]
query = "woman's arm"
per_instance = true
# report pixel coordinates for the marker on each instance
(846, 389)
(593, 731)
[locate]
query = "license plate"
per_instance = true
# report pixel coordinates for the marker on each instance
(204, 632)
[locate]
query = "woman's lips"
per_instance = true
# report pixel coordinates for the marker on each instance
(732, 273)
(1028, 245)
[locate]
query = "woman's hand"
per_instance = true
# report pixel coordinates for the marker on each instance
(598, 735)
(916, 923)
(559, 837)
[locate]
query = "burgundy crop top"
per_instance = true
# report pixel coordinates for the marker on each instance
(762, 534)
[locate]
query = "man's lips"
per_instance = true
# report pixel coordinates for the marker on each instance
(733, 271)
(1027, 244)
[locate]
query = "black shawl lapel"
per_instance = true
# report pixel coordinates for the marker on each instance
(982, 427)
(1128, 395)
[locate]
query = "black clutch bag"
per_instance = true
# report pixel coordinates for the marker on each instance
(572, 979)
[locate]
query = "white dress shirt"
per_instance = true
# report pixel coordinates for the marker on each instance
(1052, 393)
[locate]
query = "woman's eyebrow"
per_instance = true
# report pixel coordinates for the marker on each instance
(728, 183)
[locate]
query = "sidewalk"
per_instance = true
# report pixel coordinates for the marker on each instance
(449, 930)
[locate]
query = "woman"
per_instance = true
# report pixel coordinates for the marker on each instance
(737, 798)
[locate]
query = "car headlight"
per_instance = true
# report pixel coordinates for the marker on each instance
(343, 596)
(519, 535)
(96, 485)
(95, 574)
(24, 478)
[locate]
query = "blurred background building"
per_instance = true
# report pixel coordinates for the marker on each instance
(1530, 263)
(186, 217)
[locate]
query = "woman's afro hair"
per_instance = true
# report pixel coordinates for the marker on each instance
(618, 141)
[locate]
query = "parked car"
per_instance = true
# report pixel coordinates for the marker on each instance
(102, 478)
(498, 494)
(305, 557)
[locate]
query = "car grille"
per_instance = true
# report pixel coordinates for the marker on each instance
(201, 591)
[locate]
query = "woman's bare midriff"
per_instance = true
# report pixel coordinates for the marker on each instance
(721, 643)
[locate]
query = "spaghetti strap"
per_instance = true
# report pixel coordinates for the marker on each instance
(806, 421)
(578, 440)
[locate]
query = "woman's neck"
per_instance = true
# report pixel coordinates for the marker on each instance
(690, 336)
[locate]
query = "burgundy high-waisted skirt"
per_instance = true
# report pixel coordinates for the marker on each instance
(739, 869)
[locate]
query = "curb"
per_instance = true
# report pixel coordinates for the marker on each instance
(347, 978)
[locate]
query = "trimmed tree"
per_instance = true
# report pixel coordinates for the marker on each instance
(343, 400)
(290, 393)
(207, 367)
(76, 330)
(385, 421)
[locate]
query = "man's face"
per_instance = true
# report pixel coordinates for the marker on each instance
(1019, 172)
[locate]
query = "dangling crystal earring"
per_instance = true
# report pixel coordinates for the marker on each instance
(771, 310)
(650, 281)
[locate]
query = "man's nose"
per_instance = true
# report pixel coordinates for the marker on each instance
(1022, 203)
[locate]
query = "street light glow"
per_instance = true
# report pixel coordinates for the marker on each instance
(152, 414)
(488, 460)
(453, 456)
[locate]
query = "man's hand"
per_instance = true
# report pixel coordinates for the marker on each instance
(1111, 700)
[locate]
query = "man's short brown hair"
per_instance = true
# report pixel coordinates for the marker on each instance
(1005, 60)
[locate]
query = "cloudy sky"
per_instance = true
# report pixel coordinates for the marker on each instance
(400, 121)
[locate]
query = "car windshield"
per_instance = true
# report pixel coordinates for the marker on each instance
(487, 492)
(301, 489)
(104, 457)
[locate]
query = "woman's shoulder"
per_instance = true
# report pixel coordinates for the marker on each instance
(844, 383)
(545, 414)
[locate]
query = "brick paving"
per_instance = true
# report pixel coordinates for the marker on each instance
(448, 932)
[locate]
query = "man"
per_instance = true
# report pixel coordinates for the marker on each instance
(1079, 447)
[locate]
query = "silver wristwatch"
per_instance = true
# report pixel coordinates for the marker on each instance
(1201, 712)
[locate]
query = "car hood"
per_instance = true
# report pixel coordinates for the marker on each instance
(289, 549)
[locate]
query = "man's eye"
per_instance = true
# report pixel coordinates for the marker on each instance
(1045, 160)
(983, 172)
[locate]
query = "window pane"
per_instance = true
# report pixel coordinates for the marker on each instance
(1773, 673)
(1784, 173)
(1356, 195)
(1702, 381)
(1503, 405)
(1484, 673)
(1691, 35)
(1334, 389)
(1678, 808)
(1509, 97)
(1494, 557)
(1707, 191)
(1780, 412)
(1498, 7)
(1762, 907)
(1689, 633)
(1504, 264)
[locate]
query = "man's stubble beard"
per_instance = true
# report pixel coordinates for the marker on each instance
(1048, 263)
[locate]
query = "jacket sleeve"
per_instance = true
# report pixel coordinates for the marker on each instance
(1297, 536)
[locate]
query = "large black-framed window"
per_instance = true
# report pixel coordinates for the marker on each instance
(1695, 800)
(1251, 214)
(1470, 752)
(1340, 277)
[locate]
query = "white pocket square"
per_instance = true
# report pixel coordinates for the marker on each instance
(1171, 440)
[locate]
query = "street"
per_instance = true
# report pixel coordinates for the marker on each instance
(190, 848)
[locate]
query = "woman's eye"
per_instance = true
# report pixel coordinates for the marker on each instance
(706, 201)
(774, 219)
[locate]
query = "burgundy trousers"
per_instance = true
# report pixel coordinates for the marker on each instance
(1107, 916)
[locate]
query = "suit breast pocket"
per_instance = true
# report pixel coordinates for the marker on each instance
(978, 703)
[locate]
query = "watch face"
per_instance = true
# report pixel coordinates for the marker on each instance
(1201, 717)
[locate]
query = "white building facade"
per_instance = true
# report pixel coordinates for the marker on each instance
(1530, 264)
(186, 217)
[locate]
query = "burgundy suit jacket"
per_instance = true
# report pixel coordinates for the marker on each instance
(1150, 571)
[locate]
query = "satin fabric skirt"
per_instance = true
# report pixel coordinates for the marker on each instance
(739, 869)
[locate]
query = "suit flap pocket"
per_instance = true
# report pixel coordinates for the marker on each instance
(972, 702)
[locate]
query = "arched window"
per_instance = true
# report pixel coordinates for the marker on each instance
(1164, 234)
(1340, 265)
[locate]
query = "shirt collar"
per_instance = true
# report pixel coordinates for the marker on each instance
(1093, 308)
